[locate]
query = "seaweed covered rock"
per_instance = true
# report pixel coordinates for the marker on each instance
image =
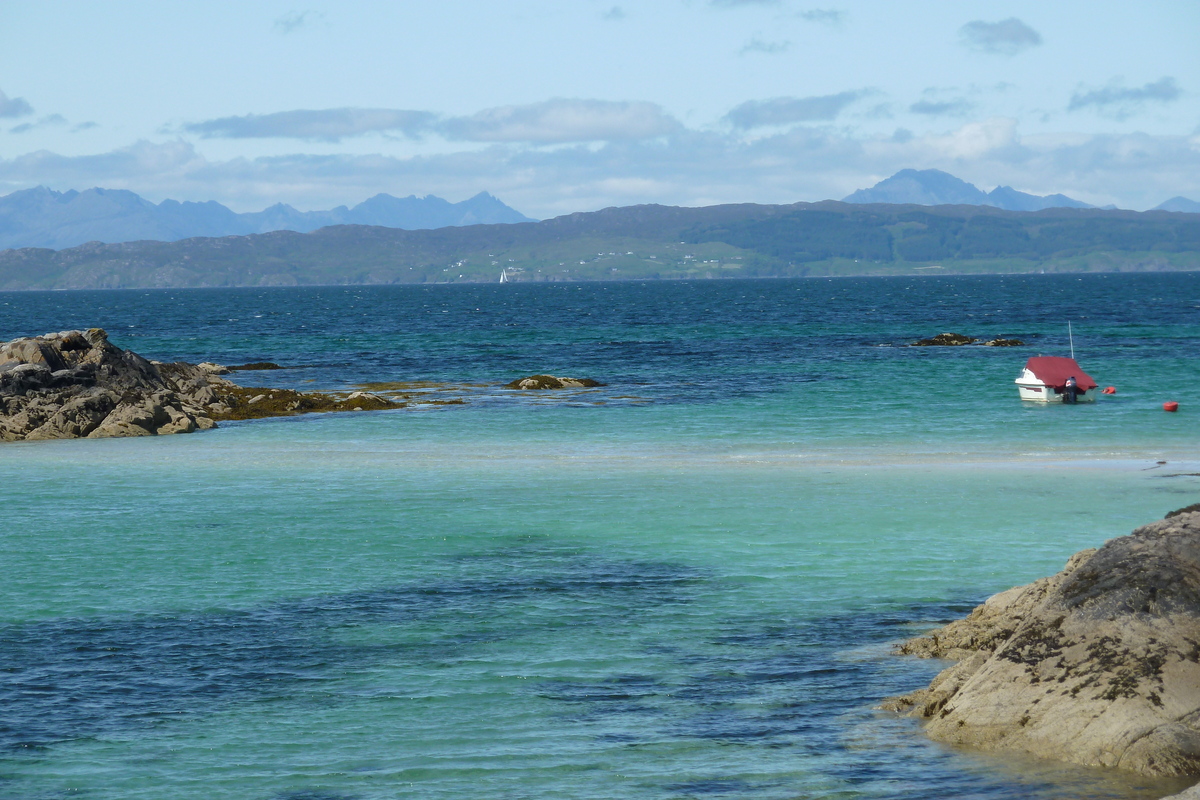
(239, 402)
(945, 340)
(537, 382)
(253, 366)
(1097, 665)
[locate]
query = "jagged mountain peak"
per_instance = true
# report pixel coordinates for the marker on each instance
(933, 187)
(42, 217)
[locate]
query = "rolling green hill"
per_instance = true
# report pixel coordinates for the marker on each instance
(641, 242)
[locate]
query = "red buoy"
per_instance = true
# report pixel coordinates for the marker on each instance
(1109, 390)
(1170, 405)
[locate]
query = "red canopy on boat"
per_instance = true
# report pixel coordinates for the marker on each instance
(1054, 371)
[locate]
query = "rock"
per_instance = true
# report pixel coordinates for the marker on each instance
(1097, 665)
(945, 340)
(179, 422)
(1004, 343)
(1184, 510)
(78, 417)
(367, 396)
(255, 365)
(538, 382)
(76, 384)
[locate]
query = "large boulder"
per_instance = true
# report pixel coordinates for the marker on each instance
(77, 384)
(538, 382)
(1097, 665)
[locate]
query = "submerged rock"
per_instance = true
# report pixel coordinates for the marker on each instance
(1097, 665)
(254, 365)
(945, 340)
(551, 382)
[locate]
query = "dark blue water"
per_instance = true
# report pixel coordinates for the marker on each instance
(630, 332)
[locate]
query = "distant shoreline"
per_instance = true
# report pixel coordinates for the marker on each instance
(915, 272)
(640, 243)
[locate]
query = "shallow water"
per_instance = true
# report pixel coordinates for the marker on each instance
(689, 593)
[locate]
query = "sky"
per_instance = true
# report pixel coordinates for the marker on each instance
(558, 106)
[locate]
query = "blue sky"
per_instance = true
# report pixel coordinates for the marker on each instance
(574, 105)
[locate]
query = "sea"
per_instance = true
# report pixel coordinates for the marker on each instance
(685, 583)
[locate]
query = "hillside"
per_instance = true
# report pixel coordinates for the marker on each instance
(641, 242)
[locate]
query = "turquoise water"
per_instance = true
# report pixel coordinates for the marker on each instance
(684, 584)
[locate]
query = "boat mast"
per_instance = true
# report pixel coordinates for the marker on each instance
(1071, 337)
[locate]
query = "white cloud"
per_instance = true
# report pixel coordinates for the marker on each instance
(977, 140)
(742, 3)
(955, 107)
(292, 21)
(1118, 101)
(14, 106)
(550, 122)
(825, 16)
(757, 45)
(686, 167)
(47, 121)
(327, 125)
(1006, 37)
(562, 120)
(786, 110)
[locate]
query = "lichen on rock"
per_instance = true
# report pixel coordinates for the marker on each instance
(1097, 665)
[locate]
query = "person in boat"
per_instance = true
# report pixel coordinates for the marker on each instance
(1070, 390)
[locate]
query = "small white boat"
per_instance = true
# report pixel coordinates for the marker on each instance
(504, 276)
(1045, 380)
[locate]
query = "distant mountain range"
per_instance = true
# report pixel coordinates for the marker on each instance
(41, 217)
(932, 187)
(44, 218)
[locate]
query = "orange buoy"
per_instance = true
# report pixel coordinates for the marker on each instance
(1109, 390)
(1170, 405)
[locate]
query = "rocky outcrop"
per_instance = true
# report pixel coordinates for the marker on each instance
(945, 340)
(536, 382)
(958, 340)
(1097, 665)
(77, 384)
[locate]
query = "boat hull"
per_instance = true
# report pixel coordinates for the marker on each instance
(1040, 393)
